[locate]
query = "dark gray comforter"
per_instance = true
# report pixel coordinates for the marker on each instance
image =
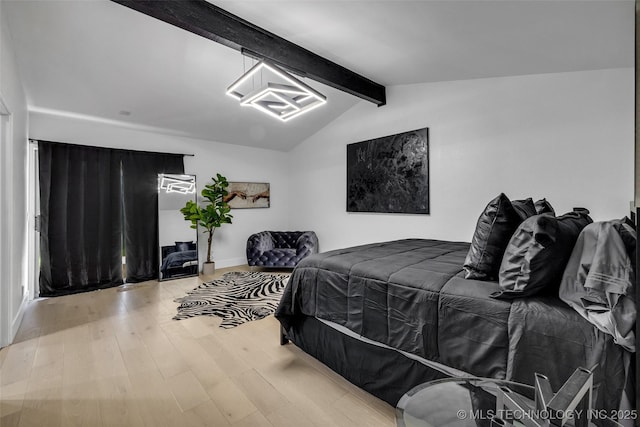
(411, 295)
(178, 259)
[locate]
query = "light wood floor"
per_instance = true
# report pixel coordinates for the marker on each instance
(116, 358)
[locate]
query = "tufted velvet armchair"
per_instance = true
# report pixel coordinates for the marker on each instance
(280, 248)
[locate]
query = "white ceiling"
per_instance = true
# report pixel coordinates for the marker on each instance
(97, 58)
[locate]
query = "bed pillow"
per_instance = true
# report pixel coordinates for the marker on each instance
(599, 280)
(543, 206)
(495, 227)
(627, 231)
(525, 208)
(183, 246)
(537, 254)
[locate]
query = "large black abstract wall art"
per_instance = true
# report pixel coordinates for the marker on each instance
(389, 174)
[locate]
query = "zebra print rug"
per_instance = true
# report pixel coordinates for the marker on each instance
(237, 297)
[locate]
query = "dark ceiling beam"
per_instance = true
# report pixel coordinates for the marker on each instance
(203, 18)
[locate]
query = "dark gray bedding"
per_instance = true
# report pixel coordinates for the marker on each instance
(177, 259)
(411, 295)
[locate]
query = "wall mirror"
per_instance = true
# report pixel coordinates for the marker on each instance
(178, 241)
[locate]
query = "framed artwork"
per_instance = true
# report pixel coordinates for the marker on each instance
(244, 195)
(389, 174)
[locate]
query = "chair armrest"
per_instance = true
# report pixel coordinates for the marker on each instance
(259, 243)
(306, 244)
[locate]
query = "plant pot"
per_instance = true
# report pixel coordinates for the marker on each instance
(208, 268)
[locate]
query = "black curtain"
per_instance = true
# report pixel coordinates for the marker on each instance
(140, 193)
(81, 221)
(92, 200)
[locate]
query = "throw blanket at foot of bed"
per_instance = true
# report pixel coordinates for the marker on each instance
(237, 297)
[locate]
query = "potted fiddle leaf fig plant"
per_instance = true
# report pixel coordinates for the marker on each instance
(212, 214)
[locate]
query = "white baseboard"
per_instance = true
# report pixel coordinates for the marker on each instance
(17, 320)
(231, 262)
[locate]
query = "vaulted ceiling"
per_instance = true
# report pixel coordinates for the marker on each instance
(99, 59)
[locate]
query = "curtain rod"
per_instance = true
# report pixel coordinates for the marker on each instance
(35, 141)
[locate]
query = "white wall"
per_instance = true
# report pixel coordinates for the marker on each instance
(173, 228)
(568, 137)
(235, 162)
(13, 191)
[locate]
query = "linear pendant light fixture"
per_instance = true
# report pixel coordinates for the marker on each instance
(281, 96)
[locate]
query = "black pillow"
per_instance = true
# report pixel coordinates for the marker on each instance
(627, 221)
(183, 246)
(525, 208)
(495, 227)
(538, 253)
(542, 206)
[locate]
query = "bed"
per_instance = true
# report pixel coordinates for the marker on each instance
(389, 316)
(179, 260)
